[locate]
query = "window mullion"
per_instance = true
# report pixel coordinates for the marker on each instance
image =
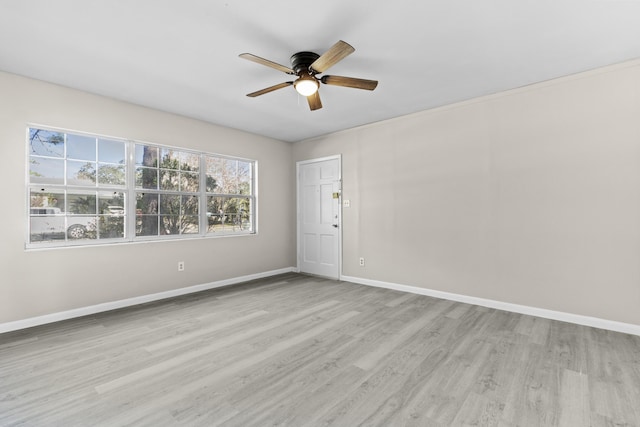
(204, 222)
(130, 210)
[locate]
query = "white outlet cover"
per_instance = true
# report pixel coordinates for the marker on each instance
(346, 203)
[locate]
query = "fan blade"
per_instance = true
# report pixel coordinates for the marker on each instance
(269, 89)
(314, 101)
(350, 82)
(336, 53)
(266, 62)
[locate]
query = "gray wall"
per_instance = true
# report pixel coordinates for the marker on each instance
(34, 283)
(529, 197)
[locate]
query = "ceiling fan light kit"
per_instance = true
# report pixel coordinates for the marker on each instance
(306, 65)
(306, 85)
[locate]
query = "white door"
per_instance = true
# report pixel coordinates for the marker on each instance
(319, 234)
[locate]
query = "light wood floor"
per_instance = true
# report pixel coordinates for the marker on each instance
(300, 351)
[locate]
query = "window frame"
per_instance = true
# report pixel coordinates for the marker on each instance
(130, 191)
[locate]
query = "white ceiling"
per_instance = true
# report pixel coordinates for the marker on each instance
(182, 56)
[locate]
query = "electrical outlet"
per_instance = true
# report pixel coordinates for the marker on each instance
(346, 203)
(180, 265)
(361, 261)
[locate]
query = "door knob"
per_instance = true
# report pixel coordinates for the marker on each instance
(335, 225)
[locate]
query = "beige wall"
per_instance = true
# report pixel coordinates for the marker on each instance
(34, 283)
(529, 197)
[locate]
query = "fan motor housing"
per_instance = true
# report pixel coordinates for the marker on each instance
(302, 60)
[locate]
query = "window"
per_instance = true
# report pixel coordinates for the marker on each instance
(87, 189)
(77, 187)
(228, 192)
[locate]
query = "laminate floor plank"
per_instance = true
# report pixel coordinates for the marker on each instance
(295, 350)
(574, 399)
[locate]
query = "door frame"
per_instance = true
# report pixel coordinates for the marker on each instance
(337, 157)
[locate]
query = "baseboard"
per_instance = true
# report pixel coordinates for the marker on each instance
(98, 308)
(595, 322)
(500, 305)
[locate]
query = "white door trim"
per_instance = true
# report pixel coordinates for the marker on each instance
(337, 157)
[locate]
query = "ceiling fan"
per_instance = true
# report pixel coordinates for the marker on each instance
(306, 65)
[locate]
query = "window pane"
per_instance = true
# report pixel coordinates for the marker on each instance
(81, 147)
(214, 165)
(112, 221)
(169, 159)
(53, 202)
(147, 178)
(228, 214)
(215, 214)
(50, 171)
(190, 205)
(111, 151)
(47, 220)
(82, 227)
(212, 184)
(46, 143)
(242, 212)
(228, 176)
(244, 178)
(147, 203)
(190, 224)
(229, 180)
(111, 203)
(112, 207)
(222, 175)
(111, 175)
(170, 224)
(179, 214)
(45, 228)
(146, 214)
(169, 204)
(81, 173)
(81, 204)
(169, 180)
(146, 155)
(111, 227)
(189, 162)
(190, 182)
(146, 225)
